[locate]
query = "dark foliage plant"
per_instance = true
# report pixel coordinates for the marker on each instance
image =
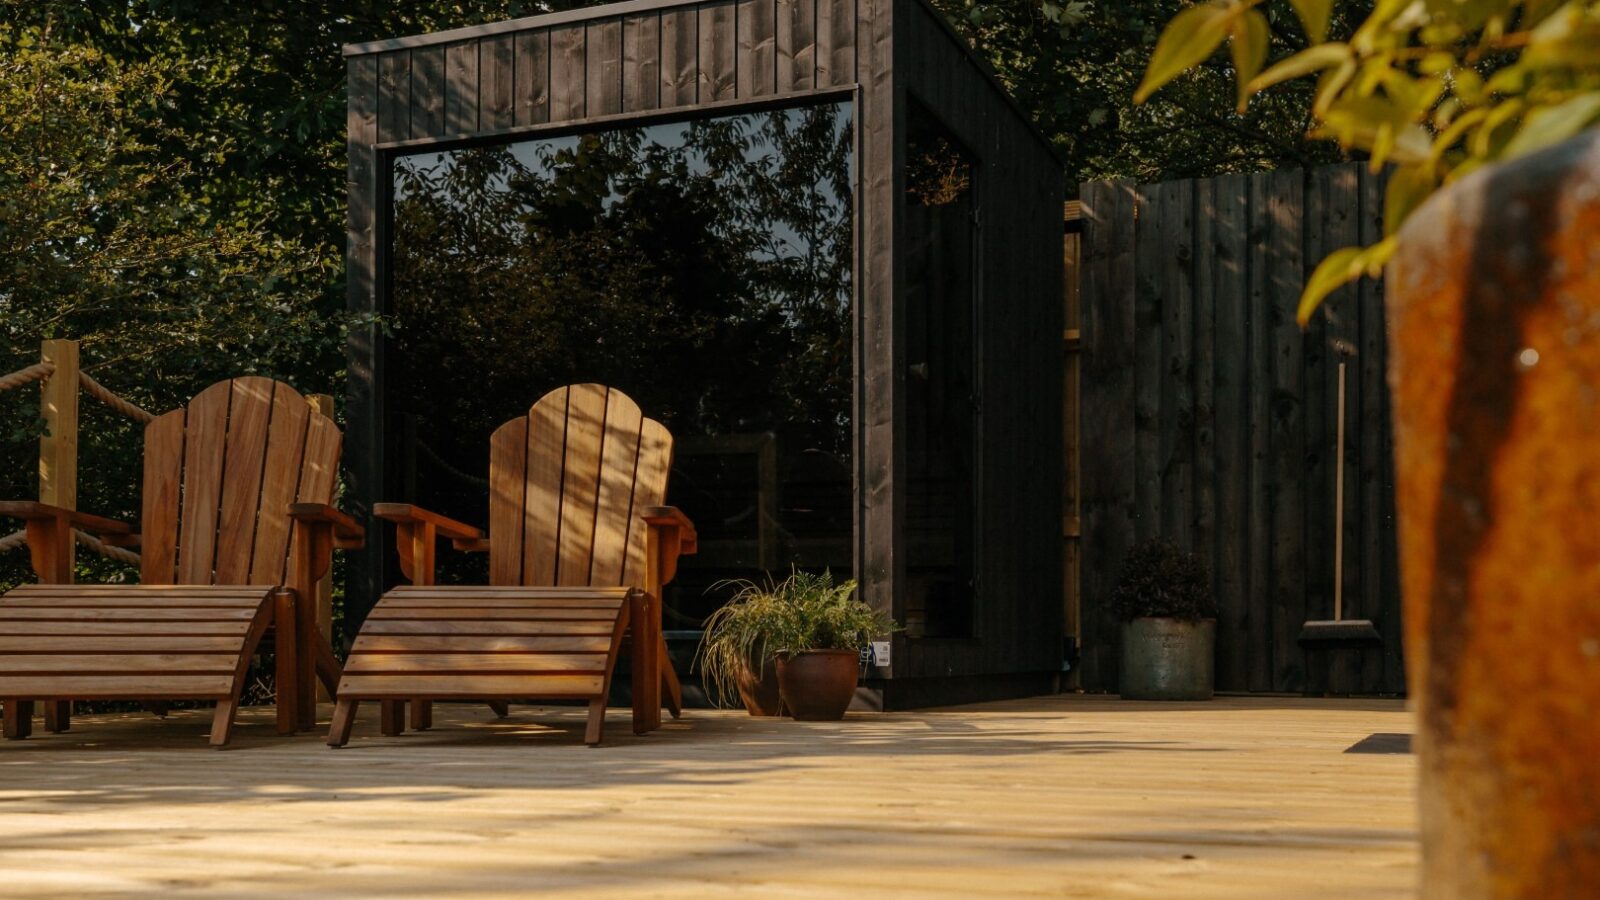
(1160, 580)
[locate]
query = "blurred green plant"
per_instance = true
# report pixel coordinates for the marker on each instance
(1437, 88)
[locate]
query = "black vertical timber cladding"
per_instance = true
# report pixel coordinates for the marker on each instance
(394, 96)
(461, 88)
(796, 45)
(568, 73)
(531, 80)
(363, 455)
(1019, 191)
(718, 53)
(603, 60)
(427, 92)
(1235, 453)
(680, 56)
(496, 71)
(641, 62)
(881, 514)
(757, 29)
(566, 68)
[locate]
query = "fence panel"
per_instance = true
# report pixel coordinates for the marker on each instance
(1209, 417)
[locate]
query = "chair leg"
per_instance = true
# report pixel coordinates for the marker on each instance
(597, 722)
(57, 716)
(421, 715)
(671, 689)
(18, 719)
(287, 674)
(392, 716)
(344, 718)
(222, 721)
(501, 708)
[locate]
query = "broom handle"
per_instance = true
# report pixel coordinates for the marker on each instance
(1338, 509)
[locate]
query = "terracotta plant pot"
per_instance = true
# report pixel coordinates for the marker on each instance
(817, 685)
(1494, 312)
(758, 688)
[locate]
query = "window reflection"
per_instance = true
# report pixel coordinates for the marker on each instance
(942, 386)
(702, 267)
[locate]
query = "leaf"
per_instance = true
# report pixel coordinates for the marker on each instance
(1341, 267)
(1322, 56)
(1408, 187)
(1248, 45)
(1554, 124)
(1314, 15)
(1189, 38)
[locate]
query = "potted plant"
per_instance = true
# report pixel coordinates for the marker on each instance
(1170, 625)
(808, 629)
(736, 653)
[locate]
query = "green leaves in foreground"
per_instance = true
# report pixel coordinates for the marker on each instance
(1436, 89)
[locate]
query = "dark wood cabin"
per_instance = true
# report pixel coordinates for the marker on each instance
(813, 237)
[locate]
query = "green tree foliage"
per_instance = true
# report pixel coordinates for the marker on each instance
(1074, 66)
(1439, 88)
(108, 238)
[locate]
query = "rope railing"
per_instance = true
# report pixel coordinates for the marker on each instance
(105, 395)
(36, 372)
(448, 469)
(20, 538)
(44, 370)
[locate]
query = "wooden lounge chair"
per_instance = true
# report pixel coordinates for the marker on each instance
(579, 548)
(231, 482)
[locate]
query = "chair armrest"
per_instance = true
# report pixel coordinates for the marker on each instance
(33, 510)
(671, 517)
(444, 526)
(345, 528)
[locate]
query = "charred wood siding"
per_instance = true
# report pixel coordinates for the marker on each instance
(1209, 417)
(1019, 190)
(681, 55)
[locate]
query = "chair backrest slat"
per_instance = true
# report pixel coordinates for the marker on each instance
(613, 515)
(219, 478)
(163, 488)
(280, 483)
(580, 481)
(541, 523)
(249, 415)
(649, 489)
(566, 483)
(204, 449)
(508, 488)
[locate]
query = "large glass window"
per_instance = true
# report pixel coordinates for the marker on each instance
(942, 385)
(703, 267)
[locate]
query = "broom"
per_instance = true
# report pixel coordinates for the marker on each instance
(1339, 631)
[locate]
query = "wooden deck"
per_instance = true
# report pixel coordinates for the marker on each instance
(1055, 796)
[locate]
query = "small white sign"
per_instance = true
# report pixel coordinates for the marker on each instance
(880, 653)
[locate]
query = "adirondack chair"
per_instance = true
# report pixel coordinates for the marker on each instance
(579, 547)
(236, 529)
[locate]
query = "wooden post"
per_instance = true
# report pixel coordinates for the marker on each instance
(58, 446)
(323, 403)
(58, 471)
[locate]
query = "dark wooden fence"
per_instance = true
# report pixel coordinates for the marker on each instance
(1209, 417)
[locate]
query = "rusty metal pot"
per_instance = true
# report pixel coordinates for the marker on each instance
(1494, 317)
